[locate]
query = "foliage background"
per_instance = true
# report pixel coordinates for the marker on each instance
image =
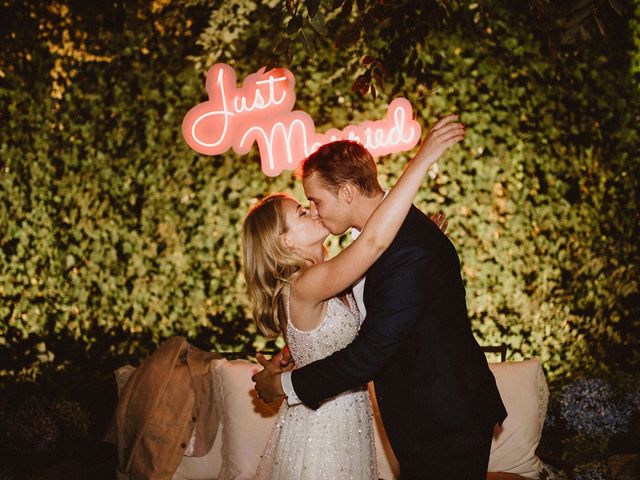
(115, 236)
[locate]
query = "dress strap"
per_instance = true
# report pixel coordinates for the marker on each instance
(288, 303)
(350, 300)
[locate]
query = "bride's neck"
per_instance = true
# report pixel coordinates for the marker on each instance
(314, 255)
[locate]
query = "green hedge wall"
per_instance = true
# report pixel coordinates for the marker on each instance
(114, 235)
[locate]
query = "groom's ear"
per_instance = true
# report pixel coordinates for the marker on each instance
(346, 192)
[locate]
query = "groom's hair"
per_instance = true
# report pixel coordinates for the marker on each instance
(344, 161)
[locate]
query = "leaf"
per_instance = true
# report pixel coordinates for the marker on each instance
(377, 76)
(346, 9)
(294, 24)
(336, 4)
(317, 22)
(306, 43)
(617, 7)
(582, 4)
(578, 18)
(361, 83)
(283, 49)
(349, 36)
(292, 6)
(381, 68)
(366, 60)
(272, 63)
(600, 26)
(569, 36)
(584, 33)
(377, 13)
(312, 7)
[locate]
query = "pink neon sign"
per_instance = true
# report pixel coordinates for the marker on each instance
(261, 112)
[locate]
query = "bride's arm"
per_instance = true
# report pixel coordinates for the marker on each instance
(327, 279)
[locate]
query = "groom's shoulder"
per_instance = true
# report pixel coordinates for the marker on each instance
(416, 239)
(418, 216)
(417, 231)
(418, 224)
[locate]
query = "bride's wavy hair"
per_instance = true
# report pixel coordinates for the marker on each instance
(268, 264)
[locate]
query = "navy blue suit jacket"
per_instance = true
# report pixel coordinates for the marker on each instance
(433, 385)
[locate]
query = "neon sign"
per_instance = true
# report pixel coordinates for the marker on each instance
(261, 112)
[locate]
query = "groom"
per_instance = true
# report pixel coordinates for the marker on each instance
(437, 397)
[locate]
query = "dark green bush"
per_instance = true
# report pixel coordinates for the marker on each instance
(114, 235)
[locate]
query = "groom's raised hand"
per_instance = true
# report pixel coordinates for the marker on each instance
(268, 385)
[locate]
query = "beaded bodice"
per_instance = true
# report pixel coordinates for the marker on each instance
(337, 329)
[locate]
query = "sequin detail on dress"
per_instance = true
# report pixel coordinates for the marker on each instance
(336, 441)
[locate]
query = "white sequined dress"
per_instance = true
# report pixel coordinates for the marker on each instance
(336, 441)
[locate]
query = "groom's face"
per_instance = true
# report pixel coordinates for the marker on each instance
(332, 209)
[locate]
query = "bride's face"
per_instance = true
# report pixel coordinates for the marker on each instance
(303, 229)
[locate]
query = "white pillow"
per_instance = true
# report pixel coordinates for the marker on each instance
(122, 374)
(206, 467)
(246, 420)
(525, 395)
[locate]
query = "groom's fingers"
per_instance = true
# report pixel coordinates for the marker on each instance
(271, 366)
(262, 360)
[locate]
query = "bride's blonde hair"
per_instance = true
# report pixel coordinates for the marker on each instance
(268, 264)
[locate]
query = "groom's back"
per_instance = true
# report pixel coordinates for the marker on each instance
(437, 383)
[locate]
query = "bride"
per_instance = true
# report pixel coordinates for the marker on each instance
(297, 292)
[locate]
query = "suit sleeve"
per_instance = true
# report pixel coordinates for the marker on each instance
(396, 301)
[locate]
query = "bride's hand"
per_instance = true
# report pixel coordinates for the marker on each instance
(445, 133)
(284, 359)
(440, 219)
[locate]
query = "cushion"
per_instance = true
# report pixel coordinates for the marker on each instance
(122, 374)
(525, 394)
(206, 467)
(246, 420)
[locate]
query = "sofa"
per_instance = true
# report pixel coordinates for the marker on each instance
(245, 423)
